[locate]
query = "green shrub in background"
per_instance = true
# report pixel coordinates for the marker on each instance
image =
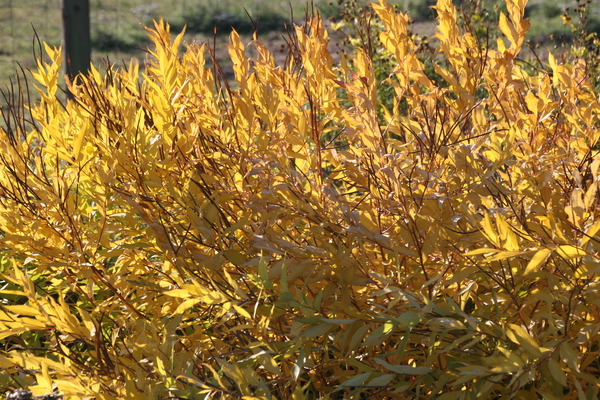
(586, 33)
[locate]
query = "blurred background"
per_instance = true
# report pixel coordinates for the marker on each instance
(118, 33)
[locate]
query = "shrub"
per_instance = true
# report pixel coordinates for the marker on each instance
(585, 30)
(173, 235)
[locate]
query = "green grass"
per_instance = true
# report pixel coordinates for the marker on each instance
(118, 25)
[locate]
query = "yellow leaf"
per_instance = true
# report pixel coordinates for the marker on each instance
(590, 233)
(191, 381)
(507, 30)
(509, 239)
(186, 305)
(489, 231)
(565, 19)
(519, 336)
(44, 382)
(569, 252)
(180, 293)
(536, 261)
(502, 255)
(482, 251)
(388, 326)
(590, 197)
(268, 362)
(595, 169)
(242, 312)
(160, 366)
(23, 310)
(70, 387)
(532, 102)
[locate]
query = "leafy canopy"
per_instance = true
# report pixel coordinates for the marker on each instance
(169, 234)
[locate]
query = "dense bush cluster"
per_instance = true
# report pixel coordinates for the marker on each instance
(169, 234)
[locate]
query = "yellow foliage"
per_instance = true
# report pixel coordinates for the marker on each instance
(167, 234)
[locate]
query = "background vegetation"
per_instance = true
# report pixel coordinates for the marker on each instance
(118, 26)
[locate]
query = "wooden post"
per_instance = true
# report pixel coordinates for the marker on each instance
(76, 36)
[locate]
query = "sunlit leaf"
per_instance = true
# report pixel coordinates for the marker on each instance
(537, 260)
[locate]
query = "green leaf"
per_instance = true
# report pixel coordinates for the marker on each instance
(445, 323)
(376, 337)
(557, 373)
(454, 395)
(318, 330)
(298, 365)
(358, 380)
(408, 319)
(569, 356)
(337, 321)
(381, 381)
(357, 337)
(403, 369)
(264, 274)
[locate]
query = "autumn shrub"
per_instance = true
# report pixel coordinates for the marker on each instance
(172, 235)
(586, 32)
